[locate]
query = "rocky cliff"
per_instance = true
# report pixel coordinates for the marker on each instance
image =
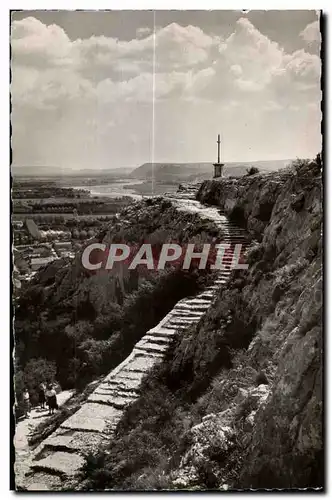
(237, 402)
(282, 293)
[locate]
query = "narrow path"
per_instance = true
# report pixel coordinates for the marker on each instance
(57, 460)
(24, 429)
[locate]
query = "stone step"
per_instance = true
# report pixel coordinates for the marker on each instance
(130, 384)
(192, 300)
(189, 315)
(160, 330)
(41, 481)
(193, 314)
(182, 324)
(70, 442)
(115, 401)
(124, 385)
(184, 319)
(199, 302)
(194, 307)
(150, 347)
(133, 395)
(158, 340)
(130, 376)
(208, 294)
(113, 390)
(60, 463)
(222, 279)
(140, 364)
(216, 287)
(232, 234)
(92, 417)
(135, 363)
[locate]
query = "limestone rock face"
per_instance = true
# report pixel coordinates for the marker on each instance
(212, 440)
(283, 291)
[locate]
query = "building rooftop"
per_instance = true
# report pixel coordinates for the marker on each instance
(41, 260)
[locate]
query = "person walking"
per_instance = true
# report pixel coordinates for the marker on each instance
(41, 395)
(26, 403)
(51, 399)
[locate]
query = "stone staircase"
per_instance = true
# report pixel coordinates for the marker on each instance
(57, 460)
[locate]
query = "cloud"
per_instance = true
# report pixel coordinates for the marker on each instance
(48, 89)
(272, 106)
(311, 33)
(100, 84)
(49, 68)
(250, 56)
(180, 46)
(142, 32)
(38, 45)
(236, 70)
(248, 61)
(146, 86)
(302, 66)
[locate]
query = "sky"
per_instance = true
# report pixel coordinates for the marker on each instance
(120, 88)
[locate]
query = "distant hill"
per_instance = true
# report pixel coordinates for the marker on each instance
(168, 172)
(163, 172)
(30, 171)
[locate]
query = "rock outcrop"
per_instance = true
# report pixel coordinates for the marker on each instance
(283, 292)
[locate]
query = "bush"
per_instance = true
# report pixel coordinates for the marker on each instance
(298, 165)
(252, 171)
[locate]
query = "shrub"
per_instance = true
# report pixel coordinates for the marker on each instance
(151, 480)
(298, 165)
(252, 171)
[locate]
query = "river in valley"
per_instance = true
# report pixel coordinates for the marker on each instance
(113, 189)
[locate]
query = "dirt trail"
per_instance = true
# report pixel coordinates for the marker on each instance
(24, 429)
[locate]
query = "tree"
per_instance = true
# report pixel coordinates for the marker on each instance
(36, 371)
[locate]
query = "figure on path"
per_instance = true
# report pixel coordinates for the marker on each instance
(51, 399)
(26, 402)
(41, 395)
